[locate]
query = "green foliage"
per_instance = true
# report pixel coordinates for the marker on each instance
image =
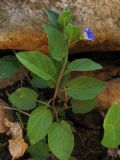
(38, 124)
(61, 140)
(54, 71)
(56, 43)
(24, 98)
(53, 18)
(84, 64)
(37, 63)
(84, 88)
(111, 125)
(72, 33)
(65, 79)
(83, 107)
(9, 66)
(65, 17)
(72, 158)
(39, 150)
(39, 82)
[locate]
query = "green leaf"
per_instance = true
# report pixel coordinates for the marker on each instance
(38, 63)
(72, 33)
(111, 126)
(50, 84)
(56, 43)
(65, 17)
(39, 150)
(84, 64)
(23, 98)
(38, 124)
(53, 18)
(72, 158)
(39, 82)
(84, 106)
(9, 66)
(58, 65)
(84, 88)
(61, 140)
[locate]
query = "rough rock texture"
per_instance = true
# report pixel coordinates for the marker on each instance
(110, 96)
(20, 23)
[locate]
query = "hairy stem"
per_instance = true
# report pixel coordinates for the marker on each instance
(59, 80)
(58, 86)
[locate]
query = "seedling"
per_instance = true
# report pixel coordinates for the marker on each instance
(49, 133)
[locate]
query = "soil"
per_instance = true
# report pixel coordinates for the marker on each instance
(87, 128)
(88, 135)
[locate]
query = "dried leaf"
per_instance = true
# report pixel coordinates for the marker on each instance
(113, 152)
(15, 129)
(17, 145)
(4, 114)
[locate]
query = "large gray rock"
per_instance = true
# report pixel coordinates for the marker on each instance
(20, 23)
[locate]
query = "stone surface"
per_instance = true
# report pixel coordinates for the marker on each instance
(110, 96)
(20, 23)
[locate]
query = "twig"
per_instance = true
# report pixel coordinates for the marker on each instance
(80, 137)
(85, 155)
(56, 113)
(62, 109)
(44, 103)
(14, 109)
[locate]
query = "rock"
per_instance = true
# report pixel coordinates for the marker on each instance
(110, 96)
(21, 21)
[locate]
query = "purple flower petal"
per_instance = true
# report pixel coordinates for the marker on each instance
(88, 34)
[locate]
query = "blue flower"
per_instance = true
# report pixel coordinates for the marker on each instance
(89, 34)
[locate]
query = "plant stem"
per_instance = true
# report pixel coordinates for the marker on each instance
(44, 103)
(59, 80)
(14, 109)
(58, 86)
(56, 113)
(62, 109)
